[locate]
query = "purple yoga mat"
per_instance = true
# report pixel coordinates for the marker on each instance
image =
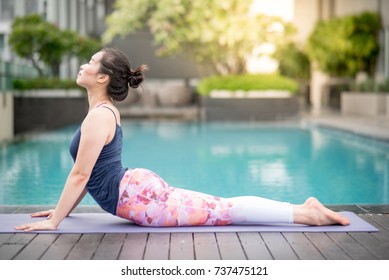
(107, 223)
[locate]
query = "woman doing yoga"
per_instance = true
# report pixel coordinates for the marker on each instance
(140, 195)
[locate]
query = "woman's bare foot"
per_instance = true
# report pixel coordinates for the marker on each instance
(312, 212)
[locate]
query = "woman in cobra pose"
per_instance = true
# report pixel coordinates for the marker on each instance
(139, 194)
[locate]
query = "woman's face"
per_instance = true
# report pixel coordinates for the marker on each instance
(88, 74)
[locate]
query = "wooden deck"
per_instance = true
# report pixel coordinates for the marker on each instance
(202, 246)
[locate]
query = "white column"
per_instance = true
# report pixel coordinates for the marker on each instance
(19, 8)
(73, 25)
(73, 16)
(63, 23)
(6, 116)
(82, 18)
(386, 53)
(318, 80)
(52, 11)
(63, 14)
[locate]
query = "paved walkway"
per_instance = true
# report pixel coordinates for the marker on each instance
(375, 127)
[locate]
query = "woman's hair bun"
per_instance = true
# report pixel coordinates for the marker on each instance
(135, 78)
(115, 64)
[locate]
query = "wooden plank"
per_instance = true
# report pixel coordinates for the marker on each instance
(254, 246)
(26, 209)
(14, 244)
(354, 249)
(4, 237)
(372, 244)
(85, 247)
(383, 233)
(181, 246)
(382, 220)
(110, 246)
(61, 247)
(134, 246)
(8, 209)
(206, 246)
(36, 248)
(229, 246)
(326, 246)
(157, 247)
(302, 246)
(278, 246)
(9, 251)
(371, 219)
(21, 238)
(385, 219)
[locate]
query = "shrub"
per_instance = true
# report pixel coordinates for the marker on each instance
(246, 83)
(344, 46)
(371, 86)
(293, 62)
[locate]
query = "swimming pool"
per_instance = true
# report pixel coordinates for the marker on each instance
(286, 162)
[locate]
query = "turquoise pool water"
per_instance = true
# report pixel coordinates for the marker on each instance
(283, 162)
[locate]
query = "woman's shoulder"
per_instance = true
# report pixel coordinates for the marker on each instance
(108, 111)
(101, 119)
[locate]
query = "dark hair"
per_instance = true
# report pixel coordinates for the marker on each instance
(116, 65)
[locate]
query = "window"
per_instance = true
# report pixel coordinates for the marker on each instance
(6, 10)
(2, 43)
(31, 6)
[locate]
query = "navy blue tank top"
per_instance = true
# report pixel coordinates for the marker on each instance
(103, 184)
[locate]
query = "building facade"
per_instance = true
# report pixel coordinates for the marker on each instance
(88, 18)
(308, 12)
(83, 16)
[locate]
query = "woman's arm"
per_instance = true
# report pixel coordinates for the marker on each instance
(95, 132)
(78, 201)
(49, 213)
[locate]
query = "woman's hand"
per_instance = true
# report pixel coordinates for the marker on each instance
(46, 213)
(41, 225)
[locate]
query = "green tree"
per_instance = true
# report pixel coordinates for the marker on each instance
(293, 62)
(343, 46)
(44, 44)
(219, 35)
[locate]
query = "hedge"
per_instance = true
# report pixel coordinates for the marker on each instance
(246, 83)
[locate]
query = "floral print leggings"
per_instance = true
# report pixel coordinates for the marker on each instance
(147, 200)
